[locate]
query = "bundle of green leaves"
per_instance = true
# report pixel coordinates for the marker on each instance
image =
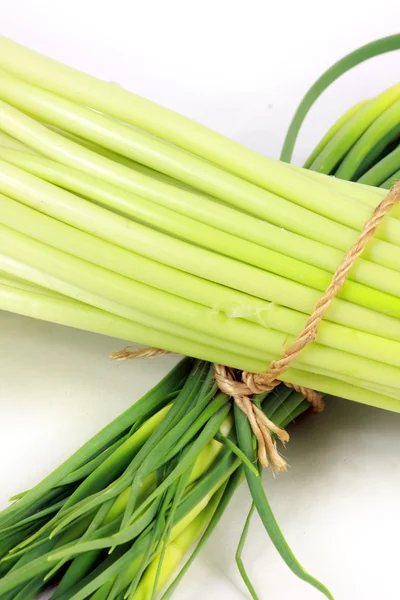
(116, 519)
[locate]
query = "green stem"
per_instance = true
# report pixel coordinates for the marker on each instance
(391, 180)
(381, 46)
(384, 124)
(382, 146)
(354, 129)
(239, 551)
(330, 134)
(264, 510)
(382, 170)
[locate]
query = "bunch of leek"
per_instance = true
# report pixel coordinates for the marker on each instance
(132, 490)
(122, 217)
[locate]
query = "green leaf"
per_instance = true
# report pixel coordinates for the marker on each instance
(263, 508)
(239, 551)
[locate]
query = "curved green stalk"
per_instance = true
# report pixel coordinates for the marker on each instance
(239, 551)
(355, 129)
(386, 44)
(263, 508)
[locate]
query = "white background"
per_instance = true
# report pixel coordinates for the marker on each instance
(241, 68)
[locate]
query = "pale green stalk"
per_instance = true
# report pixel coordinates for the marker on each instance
(294, 183)
(130, 264)
(168, 221)
(83, 316)
(374, 387)
(133, 236)
(371, 196)
(221, 300)
(254, 229)
(168, 159)
(22, 284)
(54, 230)
(75, 314)
(123, 160)
(249, 165)
(72, 154)
(126, 297)
(341, 389)
(364, 193)
(280, 211)
(7, 141)
(71, 313)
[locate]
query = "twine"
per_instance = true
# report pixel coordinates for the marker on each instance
(131, 352)
(256, 383)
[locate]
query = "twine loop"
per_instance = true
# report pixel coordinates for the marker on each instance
(241, 391)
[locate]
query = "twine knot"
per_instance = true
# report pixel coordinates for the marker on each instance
(262, 427)
(265, 382)
(257, 383)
